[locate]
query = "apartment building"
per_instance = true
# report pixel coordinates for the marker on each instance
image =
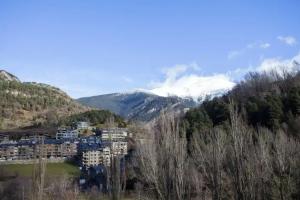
(64, 133)
(26, 150)
(119, 148)
(114, 134)
(94, 155)
(8, 152)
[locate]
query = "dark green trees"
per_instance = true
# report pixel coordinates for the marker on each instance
(262, 100)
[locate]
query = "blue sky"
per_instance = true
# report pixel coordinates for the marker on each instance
(96, 47)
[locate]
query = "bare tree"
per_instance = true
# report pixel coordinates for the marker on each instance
(209, 154)
(115, 178)
(164, 162)
(39, 171)
(286, 155)
(110, 122)
(239, 156)
(62, 188)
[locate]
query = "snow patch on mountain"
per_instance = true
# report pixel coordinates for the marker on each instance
(195, 87)
(187, 81)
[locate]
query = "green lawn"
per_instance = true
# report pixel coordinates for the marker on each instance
(53, 169)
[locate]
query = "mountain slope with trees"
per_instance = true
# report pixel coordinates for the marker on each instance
(32, 104)
(95, 118)
(139, 106)
(269, 100)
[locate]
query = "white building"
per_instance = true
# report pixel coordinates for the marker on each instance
(114, 134)
(66, 134)
(83, 125)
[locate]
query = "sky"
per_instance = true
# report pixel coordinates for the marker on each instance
(183, 48)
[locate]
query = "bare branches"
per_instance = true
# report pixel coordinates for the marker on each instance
(164, 162)
(39, 171)
(236, 162)
(208, 154)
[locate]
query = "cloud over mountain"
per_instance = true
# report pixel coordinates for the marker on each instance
(184, 81)
(280, 65)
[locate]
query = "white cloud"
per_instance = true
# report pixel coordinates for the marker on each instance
(175, 71)
(183, 84)
(233, 54)
(127, 79)
(264, 45)
(289, 40)
(255, 45)
(238, 73)
(280, 65)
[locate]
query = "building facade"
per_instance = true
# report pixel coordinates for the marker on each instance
(64, 133)
(114, 134)
(94, 155)
(31, 149)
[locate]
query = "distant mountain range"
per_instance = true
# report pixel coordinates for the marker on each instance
(29, 104)
(140, 106)
(24, 104)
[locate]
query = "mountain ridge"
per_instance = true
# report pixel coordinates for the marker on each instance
(137, 105)
(24, 104)
(6, 76)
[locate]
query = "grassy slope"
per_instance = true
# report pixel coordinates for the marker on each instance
(53, 169)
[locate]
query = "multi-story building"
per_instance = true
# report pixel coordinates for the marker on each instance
(57, 148)
(113, 134)
(26, 151)
(64, 133)
(93, 150)
(4, 139)
(119, 148)
(94, 155)
(49, 148)
(8, 152)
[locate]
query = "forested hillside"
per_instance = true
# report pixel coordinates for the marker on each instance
(270, 100)
(243, 145)
(27, 104)
(95, 118)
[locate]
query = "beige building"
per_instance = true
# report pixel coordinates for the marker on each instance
(30, 150)
(96, 157)
(8, 152)
(119, 148)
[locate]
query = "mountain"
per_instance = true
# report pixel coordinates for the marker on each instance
(137, 105)
(5, 76)
(25, 104)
